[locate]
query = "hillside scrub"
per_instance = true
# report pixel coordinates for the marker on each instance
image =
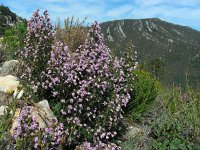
(171, 122)
(180, 125)
(100, 101)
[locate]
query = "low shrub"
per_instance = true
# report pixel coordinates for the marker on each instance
(145, 91)
(169, 136)
(6, 124)
(73, 34)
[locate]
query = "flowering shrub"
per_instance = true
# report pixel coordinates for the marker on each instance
(87, 88)
(28, 135)
(37, 48)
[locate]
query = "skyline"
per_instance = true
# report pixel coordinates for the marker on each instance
(184, 12)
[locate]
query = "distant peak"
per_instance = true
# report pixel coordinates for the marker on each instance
(151, 19)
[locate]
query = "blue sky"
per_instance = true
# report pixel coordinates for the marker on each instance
(183, 12)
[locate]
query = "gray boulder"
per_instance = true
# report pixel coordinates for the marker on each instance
(8, 67)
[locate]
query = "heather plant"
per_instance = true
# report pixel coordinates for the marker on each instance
(130, 64)
(37, 48)
(86, 88)
(102, 146)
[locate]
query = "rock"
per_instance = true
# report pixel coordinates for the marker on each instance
(44, 106)
(8, 67)
(8, 84)
(42, 112)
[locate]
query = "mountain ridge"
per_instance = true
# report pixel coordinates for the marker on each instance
(153, 18)
(177, 47)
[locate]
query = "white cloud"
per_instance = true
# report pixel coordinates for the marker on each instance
(167, 2)
(145, 3)
(185, 15)
(119, 11)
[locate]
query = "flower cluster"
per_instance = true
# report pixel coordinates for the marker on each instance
(52, 137)
(25, 123)
(28, 133)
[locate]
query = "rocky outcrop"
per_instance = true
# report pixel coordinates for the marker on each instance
(8, 67)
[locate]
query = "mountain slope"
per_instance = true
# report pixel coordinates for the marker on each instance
(7, 19)
(177, 47)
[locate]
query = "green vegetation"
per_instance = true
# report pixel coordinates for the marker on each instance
(156, 67)
(12, 33)
(173, 122)
(2, 56)
(145, 91)
(13, 39)
(177, 124)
